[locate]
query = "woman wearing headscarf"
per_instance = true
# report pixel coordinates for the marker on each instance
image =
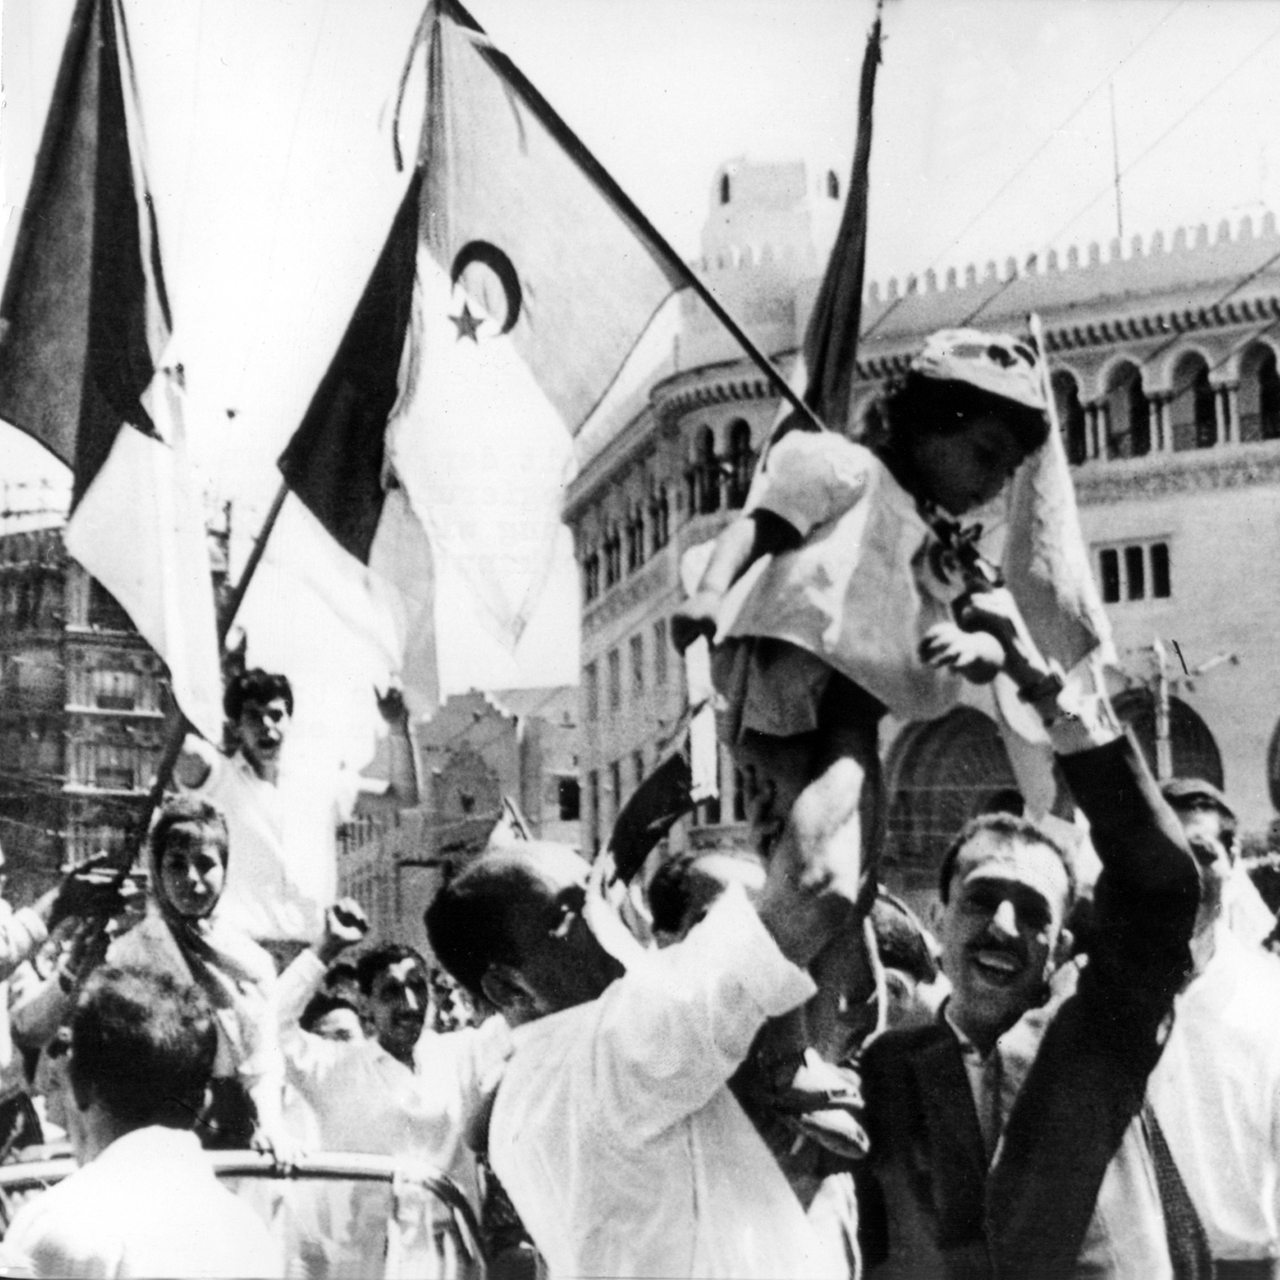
(184, 933)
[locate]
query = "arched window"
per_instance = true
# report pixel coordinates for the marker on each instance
(612, 558)
(724, 188)
(741, 462)
(1128, 417)
(1259, 395)
(833, 185)
(660, 518)
(635, 540)
(708, 473)
(1191, 409)
(940, 774)
(1066, 395)
(1195, 753)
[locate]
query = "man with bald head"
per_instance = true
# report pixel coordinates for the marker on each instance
(613, 1131)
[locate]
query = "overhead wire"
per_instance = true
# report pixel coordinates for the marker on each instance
(1048, 140)
(1137, 160)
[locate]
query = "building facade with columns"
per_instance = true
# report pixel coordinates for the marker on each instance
(83, 701)
(1164, 366)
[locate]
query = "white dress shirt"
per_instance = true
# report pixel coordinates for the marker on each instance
(149, 1205)
(617, 1139)
(283, 871)
(366, 1100)
(1216, 1093)
(1125, 1239)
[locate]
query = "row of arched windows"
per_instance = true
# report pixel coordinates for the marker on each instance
(715, 480)
(643, 533)
(719, 481)
(1131, 422)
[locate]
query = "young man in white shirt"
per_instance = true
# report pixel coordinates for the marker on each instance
(145, 1202)
(404, 1091)
(282, 818)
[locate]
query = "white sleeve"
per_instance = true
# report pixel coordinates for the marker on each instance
(681, 1021)
(466, 1064)
(810, 477)
(20, 935)
(309, 1060)
(296, 985)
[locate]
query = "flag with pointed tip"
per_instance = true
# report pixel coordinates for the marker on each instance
(87, 365)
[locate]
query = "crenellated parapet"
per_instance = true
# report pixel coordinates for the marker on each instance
(1241, 257)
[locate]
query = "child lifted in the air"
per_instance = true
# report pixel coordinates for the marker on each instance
(830, 599)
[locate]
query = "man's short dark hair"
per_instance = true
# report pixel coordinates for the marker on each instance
(339, 972)
(380, 959)
(1006, 827)
(143, 1044)
(256, 685)
(473, 921)
(901, 939)
(668, 893)
(321, 1005)
(1191, 795)
(187, 811)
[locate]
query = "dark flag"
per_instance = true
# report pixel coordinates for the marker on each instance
(86, 366)
(831, 340)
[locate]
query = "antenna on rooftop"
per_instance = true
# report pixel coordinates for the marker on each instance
(1115, 160)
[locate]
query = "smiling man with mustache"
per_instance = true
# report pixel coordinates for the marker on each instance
(1006, 888)
(1009, 1138)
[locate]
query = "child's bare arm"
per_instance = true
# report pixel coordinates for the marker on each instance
(975, 655)
(737, 548)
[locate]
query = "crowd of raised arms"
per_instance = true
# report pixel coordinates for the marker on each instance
(776, 1068)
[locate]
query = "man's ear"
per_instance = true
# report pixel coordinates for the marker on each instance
(1062, 948)
(937, 910)
(507, 991)
(81, 1095)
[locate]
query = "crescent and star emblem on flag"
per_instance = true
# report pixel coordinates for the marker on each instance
(493, 264)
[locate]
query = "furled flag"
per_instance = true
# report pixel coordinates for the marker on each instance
(831, 339)
(86, 365)
(535, 281)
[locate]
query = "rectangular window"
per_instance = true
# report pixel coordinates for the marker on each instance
(1109, 571)
(1160, 570)
(615, 680)
(592, 691)
(660, 652)
(593, 811)
(105, 611)
(114, 690)
(637, 666)
(568, 798)
(615, 791)
(1134, 571)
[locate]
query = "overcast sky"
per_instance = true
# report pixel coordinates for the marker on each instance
(269, 123)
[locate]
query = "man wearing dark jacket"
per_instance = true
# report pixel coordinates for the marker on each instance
(1010, 1138)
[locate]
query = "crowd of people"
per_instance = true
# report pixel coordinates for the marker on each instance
(785, 1072)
